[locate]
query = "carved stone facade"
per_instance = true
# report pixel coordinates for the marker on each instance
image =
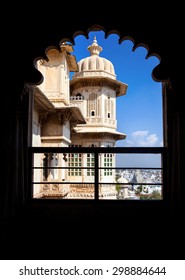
(79, 113)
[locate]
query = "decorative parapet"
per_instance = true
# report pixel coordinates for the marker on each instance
(98, 121)
(94, 74)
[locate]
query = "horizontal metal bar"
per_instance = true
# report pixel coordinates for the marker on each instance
(65, 167)
(99, 183)
(137, 150)
(63, 182)
(146, 184)
(92, 167)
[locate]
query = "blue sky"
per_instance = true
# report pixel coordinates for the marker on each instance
(139, 112)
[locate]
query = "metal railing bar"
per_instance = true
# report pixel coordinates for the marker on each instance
(96, 165)
(92, 167)
(63, 182)
(104, 150)
(132, 168)
(97, 151)
(65, 167)
(129, 183)
(99, 183)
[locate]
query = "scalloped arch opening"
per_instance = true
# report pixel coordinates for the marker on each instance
(134, 64)
(120, 42)
(150, 53)
(155, 72)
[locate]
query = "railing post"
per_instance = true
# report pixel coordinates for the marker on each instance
(31, 172)
(96, 173)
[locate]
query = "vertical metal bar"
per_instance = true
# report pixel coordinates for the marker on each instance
(30, 173)
(96, 173)
(165, 189)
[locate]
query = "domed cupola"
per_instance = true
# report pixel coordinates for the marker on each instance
(94, 65)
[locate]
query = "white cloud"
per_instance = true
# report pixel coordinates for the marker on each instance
(142, 138)
(139, 133)
(150, 140)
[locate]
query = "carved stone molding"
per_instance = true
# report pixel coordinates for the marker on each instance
(65, 117)
(43, 117)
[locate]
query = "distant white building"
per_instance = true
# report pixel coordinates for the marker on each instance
(80, 112)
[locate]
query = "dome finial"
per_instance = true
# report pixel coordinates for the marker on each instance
(94, 48)
(95, 41)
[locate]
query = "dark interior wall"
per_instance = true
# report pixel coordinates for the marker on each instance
(42, 230)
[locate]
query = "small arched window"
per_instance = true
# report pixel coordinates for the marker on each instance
(79, 96)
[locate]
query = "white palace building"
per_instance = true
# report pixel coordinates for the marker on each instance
(77, 112)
